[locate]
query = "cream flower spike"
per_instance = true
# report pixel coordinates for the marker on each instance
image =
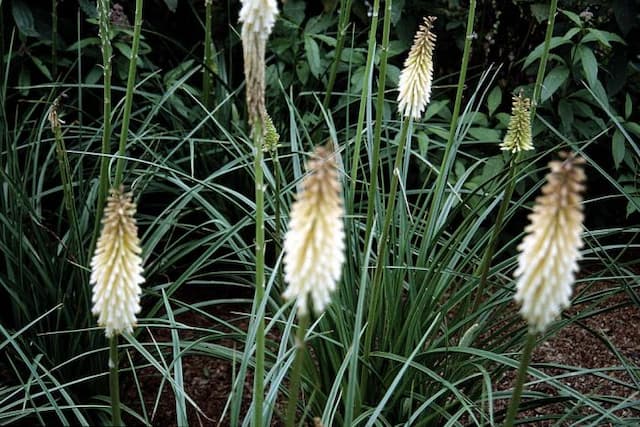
(550, 250)
(258, 18)
(417, 75)
(314, 243)
(116, 267)
(518, 137)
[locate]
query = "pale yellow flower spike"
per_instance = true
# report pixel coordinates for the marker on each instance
(518, 137)
(258, 18)
(550, 250)
(116, 267)
(314, 243)
(416, 77)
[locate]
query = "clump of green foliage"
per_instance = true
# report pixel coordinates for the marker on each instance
(420, 331)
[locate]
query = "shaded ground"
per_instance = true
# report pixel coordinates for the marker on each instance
(209, 380)
(591, 343)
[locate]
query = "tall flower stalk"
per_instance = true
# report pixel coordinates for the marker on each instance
(116, 275)
(116, 267)
(549, 256)
(517, 140)
(513, 163)
(313, 251)
(258, 18)
(104, 32)
(209, 64)
(414, 95)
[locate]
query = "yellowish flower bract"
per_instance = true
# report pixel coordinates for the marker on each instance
(417, 75)
(518, 137)
(116, 267)
(314, 243)
(271, 135)
(549, 253)
(258, 18)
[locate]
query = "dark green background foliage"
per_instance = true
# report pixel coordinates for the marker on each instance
(592, 66)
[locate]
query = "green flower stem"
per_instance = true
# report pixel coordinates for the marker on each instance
(114, 381)
(105, 38)
(434, 211)
(345, 14)
(497, 228)
(54, 37)
(522, 375)
(67, 188)
(277, 210)
(294, 387)
(377, 132)
(209, 65)
(128, 100)
(372, 315)
(258, 388)
(537, 90)
(513, 168)
(371, 50)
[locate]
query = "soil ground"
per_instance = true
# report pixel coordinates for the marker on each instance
(208, 380)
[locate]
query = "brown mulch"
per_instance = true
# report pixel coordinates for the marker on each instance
(584, 345)
(208, 380)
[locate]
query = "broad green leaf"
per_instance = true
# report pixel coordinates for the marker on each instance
(537, 52)
(503, 118)
(393, 75)
(599, 92)
(24, 80)
(633, 127)
(313, 55)
(494, 99)
(565, 111)
(423, 143)
(571, 32)
(396, 47)
(553, 81)
(604, 37)
(589, 64)
(617, 148)
(81, 44)
(540, 11)
(171, 4)
(396, 11)
(573, 16)
(40, 65)
(23, 18)
(302, 71)
(318, 24)
(93, 76)
(124, 49)
(486, 134)
(326, 39)
(89, 8)
(438, 108)
(628, 106)
(294, 10)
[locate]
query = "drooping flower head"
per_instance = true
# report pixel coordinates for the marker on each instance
(518, 137)
(116, 267)
(417, 75)
(257, 18)
(314, 243)
(550, 251)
